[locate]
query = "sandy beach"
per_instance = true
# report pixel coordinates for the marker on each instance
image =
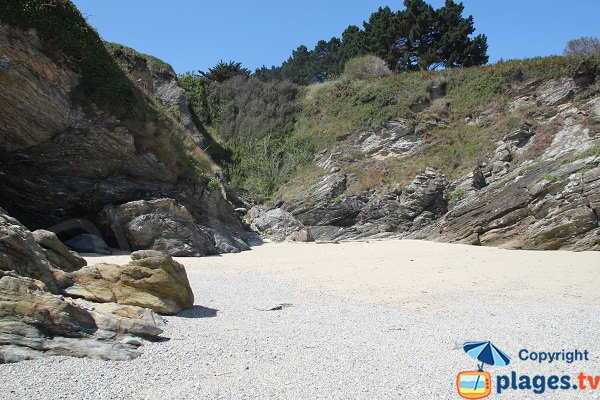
(383, 319)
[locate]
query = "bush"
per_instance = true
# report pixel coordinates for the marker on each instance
(584, 46)
(366, 67)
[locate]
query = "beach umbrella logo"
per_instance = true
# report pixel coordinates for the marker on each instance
(478, 384)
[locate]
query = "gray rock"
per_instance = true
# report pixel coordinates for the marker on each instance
(391, 138)
(19, 253)
(556, 92)
(88, 243)
(57, 253)
(36, 323)
(277, 225)
(161, 224)
(550, 205)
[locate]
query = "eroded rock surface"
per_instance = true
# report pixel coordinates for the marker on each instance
(278, 225)
(161, 224)
(38, 319)
(151, 280)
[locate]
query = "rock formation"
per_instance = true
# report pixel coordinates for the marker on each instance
(43, 292)
(537, 189)
(277, 225)
(65, 156)
(152, 280)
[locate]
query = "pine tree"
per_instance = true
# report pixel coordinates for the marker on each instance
(381, 34)
(454, 46)
(353, 45)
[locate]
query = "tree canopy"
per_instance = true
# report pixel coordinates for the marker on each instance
(416, 38)
(583, 46)
(224, 71)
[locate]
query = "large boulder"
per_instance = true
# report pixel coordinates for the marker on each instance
(36, 323)
(278, 225)
(161, 224)
(37, 320)
(151, 280)
(20, 253)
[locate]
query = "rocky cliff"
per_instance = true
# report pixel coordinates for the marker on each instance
(513, 164)
(78, 134)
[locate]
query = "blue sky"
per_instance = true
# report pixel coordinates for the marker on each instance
(196, 34)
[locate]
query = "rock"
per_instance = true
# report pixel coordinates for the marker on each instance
(57, 253)
(391, 138)
(20, 253)
(159, 79)
(574, 137)
(302, 235)
(88, 243)
(521, 136)
(549, 205)
(36, 323)
(326, 204)
(503, 153)
(161, 224)
(151, 280)
(427, 192)
(556, 92)
(66, 156)
(277, 225)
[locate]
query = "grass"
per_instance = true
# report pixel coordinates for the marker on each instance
(456, 195)
(548, 177)
(125, 55)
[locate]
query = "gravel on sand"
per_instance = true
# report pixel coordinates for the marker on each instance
(380, 320)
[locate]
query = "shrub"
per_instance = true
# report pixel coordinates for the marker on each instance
(366, 67)
(584, 46)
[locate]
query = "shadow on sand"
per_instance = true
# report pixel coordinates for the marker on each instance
(198, 312)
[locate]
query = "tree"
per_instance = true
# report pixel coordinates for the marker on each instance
(381, 34)
(324, 60)
(584, 46)
(297, 67)
(416, 38)
(431, 39)
(417, 34)
(454, 46)
(353, 45)
(224, 71)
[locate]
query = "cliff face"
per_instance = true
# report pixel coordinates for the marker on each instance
(66, 153)
(518, 170)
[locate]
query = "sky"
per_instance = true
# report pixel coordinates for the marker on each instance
(194, 35)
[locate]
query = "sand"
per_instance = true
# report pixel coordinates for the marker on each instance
(420, 275)
(374, 320)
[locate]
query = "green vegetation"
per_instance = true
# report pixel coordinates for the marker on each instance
(68, 40)
(126, 57)
(547, 177)
(456, 195)
(252, 125)
(366, 67)
(414, 39)
(584, 46)
(271, 129)
(67, 36)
